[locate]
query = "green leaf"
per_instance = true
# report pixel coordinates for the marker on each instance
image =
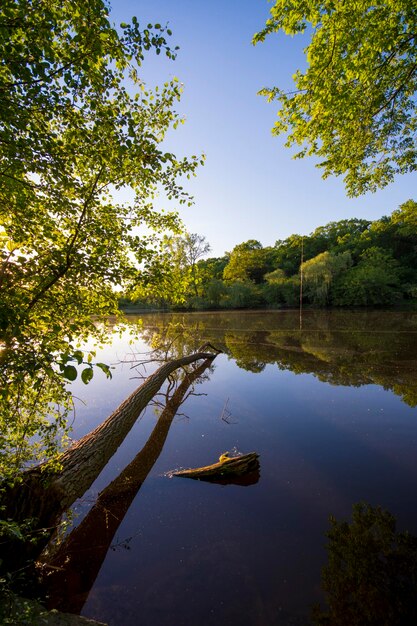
(87, 374)
(66, 241)
(354, 105)
(70, 372)
(78, 356)
(105, 368)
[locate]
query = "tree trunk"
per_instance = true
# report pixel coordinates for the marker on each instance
(70, 571)
(43, 496)
(83, 461)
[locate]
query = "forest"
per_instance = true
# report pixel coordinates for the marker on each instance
(349, 263)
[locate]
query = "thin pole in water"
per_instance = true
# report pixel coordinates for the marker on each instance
(301, 283)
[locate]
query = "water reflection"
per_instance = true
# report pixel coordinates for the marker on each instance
(69, 570)
(203, 554)
(341, 348)
(208, 555)
(371, 574)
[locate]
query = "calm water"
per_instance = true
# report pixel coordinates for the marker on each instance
(331, 411)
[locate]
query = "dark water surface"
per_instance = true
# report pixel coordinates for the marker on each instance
(331, 411)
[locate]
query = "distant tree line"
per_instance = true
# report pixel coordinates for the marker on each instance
(352, 262)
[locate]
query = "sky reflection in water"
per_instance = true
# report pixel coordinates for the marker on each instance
(313, 405)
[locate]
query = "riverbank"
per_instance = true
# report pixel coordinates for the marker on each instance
(25, 612)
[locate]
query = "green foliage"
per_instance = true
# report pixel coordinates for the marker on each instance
(70, 132)
(213, 267)
(241, 295)
(215, 290)
(195, 246)
(281, 290)
(248, 261)
(174, 276)
(371, 576)
(352, 262)
(405, 220)
(374, 281)
(15, 610)
(319, 273)
(288, 253)
(76, 123)
(354, 106)
(342, 236)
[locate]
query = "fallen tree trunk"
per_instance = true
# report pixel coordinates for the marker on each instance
(69, 572)
(83, 461)
(43, 496)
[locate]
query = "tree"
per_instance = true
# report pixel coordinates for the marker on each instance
(76, 123)
(339, 236)
(280, 289)
(354, 107)
(195, 247)
(186, 250)
(213, 267)
(241, 295)
(288, 253)
(85, 548)
(71, 130)
(374, 281)
(43, 496)
(319, 273)
(175, 274)
(211, 274)
(405, 219)
(248, 261)
(214, 291)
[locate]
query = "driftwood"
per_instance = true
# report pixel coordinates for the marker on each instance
(226, 468)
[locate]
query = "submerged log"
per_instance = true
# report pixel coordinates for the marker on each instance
(227, 467)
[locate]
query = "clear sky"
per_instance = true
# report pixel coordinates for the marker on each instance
(250, 187)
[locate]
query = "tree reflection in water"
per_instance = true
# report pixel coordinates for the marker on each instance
(340, 349)
(371, 575)
(349, 348)
(70, 569)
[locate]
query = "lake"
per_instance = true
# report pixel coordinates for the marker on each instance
(331, 410)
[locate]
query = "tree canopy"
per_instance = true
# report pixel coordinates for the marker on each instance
(353, 262)
(354, 105)
(248, 261)
(77, 123)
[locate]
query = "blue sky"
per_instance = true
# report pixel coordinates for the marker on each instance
(250, 187)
